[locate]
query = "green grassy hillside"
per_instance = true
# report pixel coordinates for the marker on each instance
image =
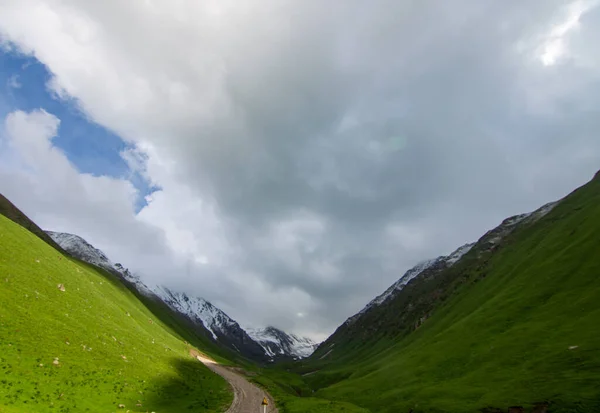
(90, 347)
(293, 395)
(182, 326)
(518, 328)
(9, 210)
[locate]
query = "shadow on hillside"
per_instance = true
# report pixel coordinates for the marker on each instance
(194, 388)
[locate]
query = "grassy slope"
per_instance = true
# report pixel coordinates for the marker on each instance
(293, 395)
(502, 340)
(9, 210)
(88, 327)
(183, 327)
(178, 323)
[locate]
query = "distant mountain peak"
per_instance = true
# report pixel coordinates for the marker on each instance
(200, 310)
(278, 343)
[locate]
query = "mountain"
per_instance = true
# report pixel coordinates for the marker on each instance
(222, 328)
(214, 323)
(73, 339)
(278, 344)
(10, 211)
(79, 248)
(373, 318)
(394, 289)
(511, 324)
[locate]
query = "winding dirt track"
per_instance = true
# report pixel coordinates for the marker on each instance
(247, 397)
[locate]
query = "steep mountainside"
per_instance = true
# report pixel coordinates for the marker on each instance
(278, 344)
(212, 321)
(394, 289)
(10, 211)
(74, 339)
(513, 322)
(222, 328)
(79, 248)
(380, 316)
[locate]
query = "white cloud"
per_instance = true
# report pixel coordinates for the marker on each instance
(555, 45)
(14, 82)
(42, 181)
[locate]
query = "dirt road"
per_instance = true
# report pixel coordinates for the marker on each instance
(247, 396)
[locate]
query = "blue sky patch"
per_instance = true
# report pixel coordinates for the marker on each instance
(90, 147)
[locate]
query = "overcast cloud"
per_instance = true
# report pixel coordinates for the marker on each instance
(308, 153)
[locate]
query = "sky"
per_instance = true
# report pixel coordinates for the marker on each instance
(285, 160)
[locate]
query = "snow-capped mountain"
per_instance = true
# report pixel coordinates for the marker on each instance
(216, 325)
(395, 311)
(81, 249)
(277, 343)
(215, 320)
(223, 329)
(394, 289)
(487, 242)
(494, 236)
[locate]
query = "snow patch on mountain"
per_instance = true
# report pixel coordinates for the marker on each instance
(219, 325)
(458, 254)
(489, 240)
(418, 269)
(199, 310)
(278, 343)
(394, 288)
(545, 210)
(80, 248)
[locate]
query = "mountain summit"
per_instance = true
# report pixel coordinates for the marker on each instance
(279, 344)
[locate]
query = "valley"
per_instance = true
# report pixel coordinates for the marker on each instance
(508, 321)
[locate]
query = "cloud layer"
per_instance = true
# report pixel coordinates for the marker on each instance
(306, 156)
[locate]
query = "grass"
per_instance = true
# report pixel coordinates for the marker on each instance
(90, 347)
(9, 210)
(292, 395)
(526, 333)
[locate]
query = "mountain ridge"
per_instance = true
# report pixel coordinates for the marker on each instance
(281, 345)
(430, 268)
(10, 211)
(217, 325)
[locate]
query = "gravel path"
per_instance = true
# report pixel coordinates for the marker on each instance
(247, 396)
